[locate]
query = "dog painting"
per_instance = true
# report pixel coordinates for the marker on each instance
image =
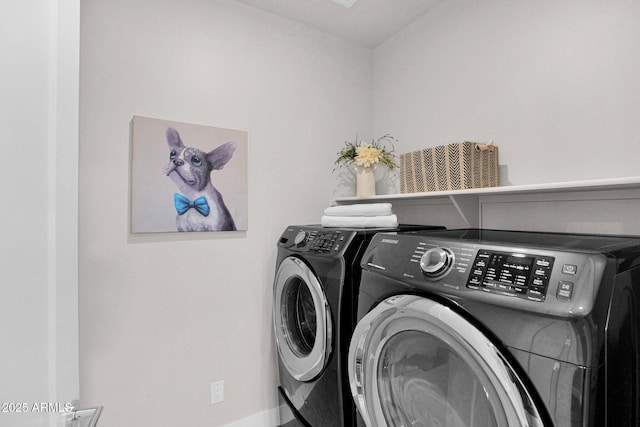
(187, 177)
(202, 209)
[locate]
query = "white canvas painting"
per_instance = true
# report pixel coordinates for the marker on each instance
(187, 177)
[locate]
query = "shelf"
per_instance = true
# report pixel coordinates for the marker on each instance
(596, 184)
(466, 202)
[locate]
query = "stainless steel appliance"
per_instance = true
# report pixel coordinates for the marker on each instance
(497, 328)
(315, 297)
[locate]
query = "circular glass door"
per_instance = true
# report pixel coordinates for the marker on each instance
(415, 362)
(302, 320)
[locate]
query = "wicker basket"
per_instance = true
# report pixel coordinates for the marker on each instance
(450, 167)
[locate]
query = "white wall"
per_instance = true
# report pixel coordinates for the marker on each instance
(162, 316)
(39, 43)
(554, 84)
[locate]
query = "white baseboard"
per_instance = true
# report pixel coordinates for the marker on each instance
(269, 418)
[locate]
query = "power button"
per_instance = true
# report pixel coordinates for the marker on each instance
(569, 269)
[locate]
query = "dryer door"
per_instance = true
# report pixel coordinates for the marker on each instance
(416, 362)
(302, 320)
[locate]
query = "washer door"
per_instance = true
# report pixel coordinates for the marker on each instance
(416, 362)
(302, 320)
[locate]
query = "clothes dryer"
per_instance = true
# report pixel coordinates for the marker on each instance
(497, 328)
(315, 297)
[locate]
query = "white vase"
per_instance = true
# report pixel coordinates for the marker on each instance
(365, 181)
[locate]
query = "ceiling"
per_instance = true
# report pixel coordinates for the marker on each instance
(367, 22)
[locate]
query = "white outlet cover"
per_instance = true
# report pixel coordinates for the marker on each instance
(217, 392)
(345, 3)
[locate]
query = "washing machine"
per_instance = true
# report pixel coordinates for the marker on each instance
(497, 328)
(314, 313)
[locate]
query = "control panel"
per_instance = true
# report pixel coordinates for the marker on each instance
(521, 275)
(314, 240)
(532, 278)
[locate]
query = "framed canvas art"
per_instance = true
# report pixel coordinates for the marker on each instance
(187, 177)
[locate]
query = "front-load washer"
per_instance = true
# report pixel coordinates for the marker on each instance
(497, 328)
(315, 293)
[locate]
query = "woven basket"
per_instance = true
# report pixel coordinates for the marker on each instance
(449, 167)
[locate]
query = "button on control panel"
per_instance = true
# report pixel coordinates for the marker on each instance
(326, 242)
(520, 275)
(570, 269)
(565, 290)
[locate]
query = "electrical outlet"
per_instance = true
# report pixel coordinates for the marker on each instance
(217, 392)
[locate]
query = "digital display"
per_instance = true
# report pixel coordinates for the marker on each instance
(512, 274)
(510, 270)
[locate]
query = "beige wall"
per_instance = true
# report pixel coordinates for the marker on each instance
(554, 84)
(163, 316)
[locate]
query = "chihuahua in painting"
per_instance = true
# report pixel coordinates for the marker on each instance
(200, 206)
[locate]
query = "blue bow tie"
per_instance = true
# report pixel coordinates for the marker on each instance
(183, 204)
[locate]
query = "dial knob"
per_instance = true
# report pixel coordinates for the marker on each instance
(300, 238)
(436, 262)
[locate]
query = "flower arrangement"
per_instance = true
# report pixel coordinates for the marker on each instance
(368, 155)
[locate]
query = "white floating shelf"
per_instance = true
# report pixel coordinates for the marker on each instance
(590, 185)
(467, 202)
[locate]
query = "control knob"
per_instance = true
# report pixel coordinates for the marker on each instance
(436, 262)
(301, 238)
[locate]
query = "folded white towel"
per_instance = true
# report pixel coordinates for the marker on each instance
(385, 221)
(364, 209)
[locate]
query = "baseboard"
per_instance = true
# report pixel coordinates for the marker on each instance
(269, 418)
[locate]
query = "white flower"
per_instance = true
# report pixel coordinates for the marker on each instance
(367, 156)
